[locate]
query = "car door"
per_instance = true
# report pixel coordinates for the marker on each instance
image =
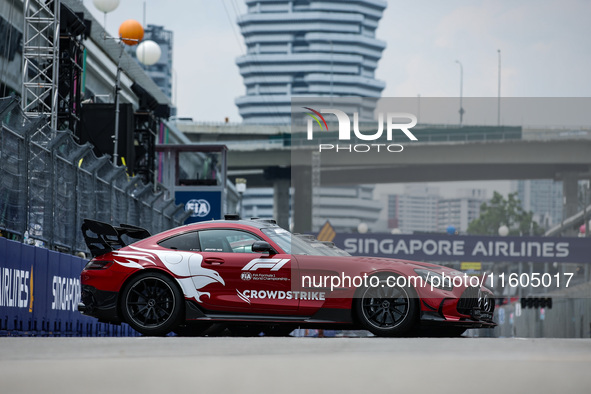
(253, 282)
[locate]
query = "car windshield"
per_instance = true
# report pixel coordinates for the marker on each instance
(301, 244)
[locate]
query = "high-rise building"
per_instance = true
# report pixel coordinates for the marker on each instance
(544, 198)
(161, 72)
(415, 209)
(422, 209)
(315, 48)
(344, 207)
(257, 202)
(459, 211)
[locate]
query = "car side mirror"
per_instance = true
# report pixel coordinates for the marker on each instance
(262, 247)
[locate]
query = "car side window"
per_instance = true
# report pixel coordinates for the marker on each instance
(226, 241)
(186, 241)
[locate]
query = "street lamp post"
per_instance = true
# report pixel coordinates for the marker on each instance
(461, 111)
(240, 188)
(117, 89)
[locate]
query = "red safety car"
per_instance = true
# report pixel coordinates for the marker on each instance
(252, 276)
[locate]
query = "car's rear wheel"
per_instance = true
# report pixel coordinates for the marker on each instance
(152, 304)
(387, 310)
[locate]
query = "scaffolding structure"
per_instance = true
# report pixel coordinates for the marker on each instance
(41, 35)
(73, 30)
(145, 134)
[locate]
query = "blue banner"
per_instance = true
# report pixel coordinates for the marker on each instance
(439, 247)
(39, 294)
(206, 205)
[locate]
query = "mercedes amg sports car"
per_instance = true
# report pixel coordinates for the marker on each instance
(252, 276)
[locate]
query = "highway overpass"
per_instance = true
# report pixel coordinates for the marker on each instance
(265, 160)
(426, 162)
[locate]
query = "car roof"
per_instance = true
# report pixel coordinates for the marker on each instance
(238, 224)
(256, 223)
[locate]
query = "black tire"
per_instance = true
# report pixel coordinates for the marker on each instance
(387, 311)
(152, 304)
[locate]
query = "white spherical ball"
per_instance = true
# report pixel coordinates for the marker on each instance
(503, 231)
(148, 52)
(106, 5)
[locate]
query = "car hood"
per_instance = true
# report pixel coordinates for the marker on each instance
(382, 261)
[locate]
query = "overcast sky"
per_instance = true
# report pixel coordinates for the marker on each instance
(545, 47)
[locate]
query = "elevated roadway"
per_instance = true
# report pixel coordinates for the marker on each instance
(425, 162)
(267, 156)
(499, 153)
(566, 160)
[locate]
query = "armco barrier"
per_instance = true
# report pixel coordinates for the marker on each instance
(39, 294)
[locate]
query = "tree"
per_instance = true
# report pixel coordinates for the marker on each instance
(500, 211)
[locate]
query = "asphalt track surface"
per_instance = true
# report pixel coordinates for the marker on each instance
(294, 365)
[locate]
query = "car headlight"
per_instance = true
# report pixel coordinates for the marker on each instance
(435, 279)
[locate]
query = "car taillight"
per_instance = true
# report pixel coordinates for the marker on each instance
(98, 264)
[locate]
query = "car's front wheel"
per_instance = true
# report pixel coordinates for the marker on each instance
(387, 311)
(152, 304)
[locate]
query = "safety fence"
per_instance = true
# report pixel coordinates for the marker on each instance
(49, 184)
(39, 294)
(568, 318)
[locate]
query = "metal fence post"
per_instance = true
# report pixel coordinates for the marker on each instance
(27, 207)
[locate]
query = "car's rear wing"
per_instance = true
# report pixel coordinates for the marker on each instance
(103, 238)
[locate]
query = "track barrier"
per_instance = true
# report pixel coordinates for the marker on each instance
(39, 294)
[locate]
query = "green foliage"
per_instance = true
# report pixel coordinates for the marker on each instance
(500, 211)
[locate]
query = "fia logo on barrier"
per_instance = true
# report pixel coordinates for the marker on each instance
(199, 207)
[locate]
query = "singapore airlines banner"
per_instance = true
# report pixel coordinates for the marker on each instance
(439, 247)
(39, 294)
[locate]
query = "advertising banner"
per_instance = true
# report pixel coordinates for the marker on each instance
(206, 205)
(440, 247)
(39, 294)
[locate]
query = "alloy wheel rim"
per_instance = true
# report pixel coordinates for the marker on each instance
(385, 307)
(150, 302)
